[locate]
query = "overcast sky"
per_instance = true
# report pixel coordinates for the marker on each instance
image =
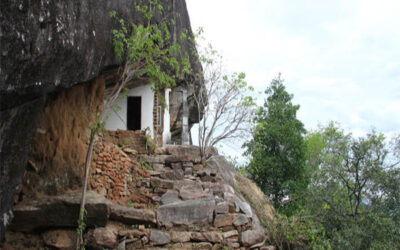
(340, 59)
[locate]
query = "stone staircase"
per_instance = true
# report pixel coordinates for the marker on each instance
(193, 206)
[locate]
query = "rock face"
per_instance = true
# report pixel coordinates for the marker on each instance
(52, 44)
(48, 46)
(14, 147)
(60, 143)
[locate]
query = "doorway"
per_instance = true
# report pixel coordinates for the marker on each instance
(134, 114)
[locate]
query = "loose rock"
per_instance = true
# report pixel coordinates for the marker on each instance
(175, 174)
(251, 237)
(171, 196)
(160, 183)
(222, 220)
(213, 237)
(62, 239)
(177, 236)
(222, 208)
(191, 192)
(185, 153)
(230, 234)
(132, 215)
(159, 238)
(240, 220)
(102, 237)
(190, 212)
(245, 208)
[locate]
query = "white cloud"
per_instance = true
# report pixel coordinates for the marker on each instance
(340, 59)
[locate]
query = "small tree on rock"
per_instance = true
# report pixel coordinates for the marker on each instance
(224, 102)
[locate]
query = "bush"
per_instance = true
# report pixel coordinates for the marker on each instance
(297, 232)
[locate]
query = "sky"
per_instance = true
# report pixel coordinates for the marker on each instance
(340, 59)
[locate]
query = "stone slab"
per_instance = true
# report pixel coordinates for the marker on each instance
(190, 212)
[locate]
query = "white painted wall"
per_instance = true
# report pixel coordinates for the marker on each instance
(117, 120)
(167, 120)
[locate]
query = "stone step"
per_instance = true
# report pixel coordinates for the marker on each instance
(130, 215)
(60, 211)
(186, 213)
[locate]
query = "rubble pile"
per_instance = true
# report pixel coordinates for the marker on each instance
(118, 175)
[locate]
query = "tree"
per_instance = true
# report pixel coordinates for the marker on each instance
(146, 52)
(277, 149)
(224, 102)
(355, 189)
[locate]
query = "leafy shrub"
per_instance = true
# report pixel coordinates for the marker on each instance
(297, 232)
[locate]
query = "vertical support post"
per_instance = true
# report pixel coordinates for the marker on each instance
(167, 120)
(185, 119)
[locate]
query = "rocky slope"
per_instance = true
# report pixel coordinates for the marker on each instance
(165, 200)
(49, 46)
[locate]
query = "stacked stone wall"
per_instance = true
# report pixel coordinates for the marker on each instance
(165, 200)
(127, 138)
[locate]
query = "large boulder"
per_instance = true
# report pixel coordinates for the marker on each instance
(187, 213)
(48, 46)
(17, 127)
(60, 211)
(57, 44)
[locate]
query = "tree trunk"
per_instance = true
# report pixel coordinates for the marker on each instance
(79, 240)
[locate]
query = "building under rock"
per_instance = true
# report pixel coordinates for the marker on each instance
(57, 64)
(56, 59)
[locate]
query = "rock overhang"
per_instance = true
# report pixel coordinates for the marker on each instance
(49, 46)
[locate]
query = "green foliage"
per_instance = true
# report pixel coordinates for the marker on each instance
(297, 232)
(147, 48)
(146, 165)
(99, 124)
(150, 143)
(81, 228)
(277, 149)
(126, 142)
(355, 190)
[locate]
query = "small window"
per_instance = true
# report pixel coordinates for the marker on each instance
(159, 114)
